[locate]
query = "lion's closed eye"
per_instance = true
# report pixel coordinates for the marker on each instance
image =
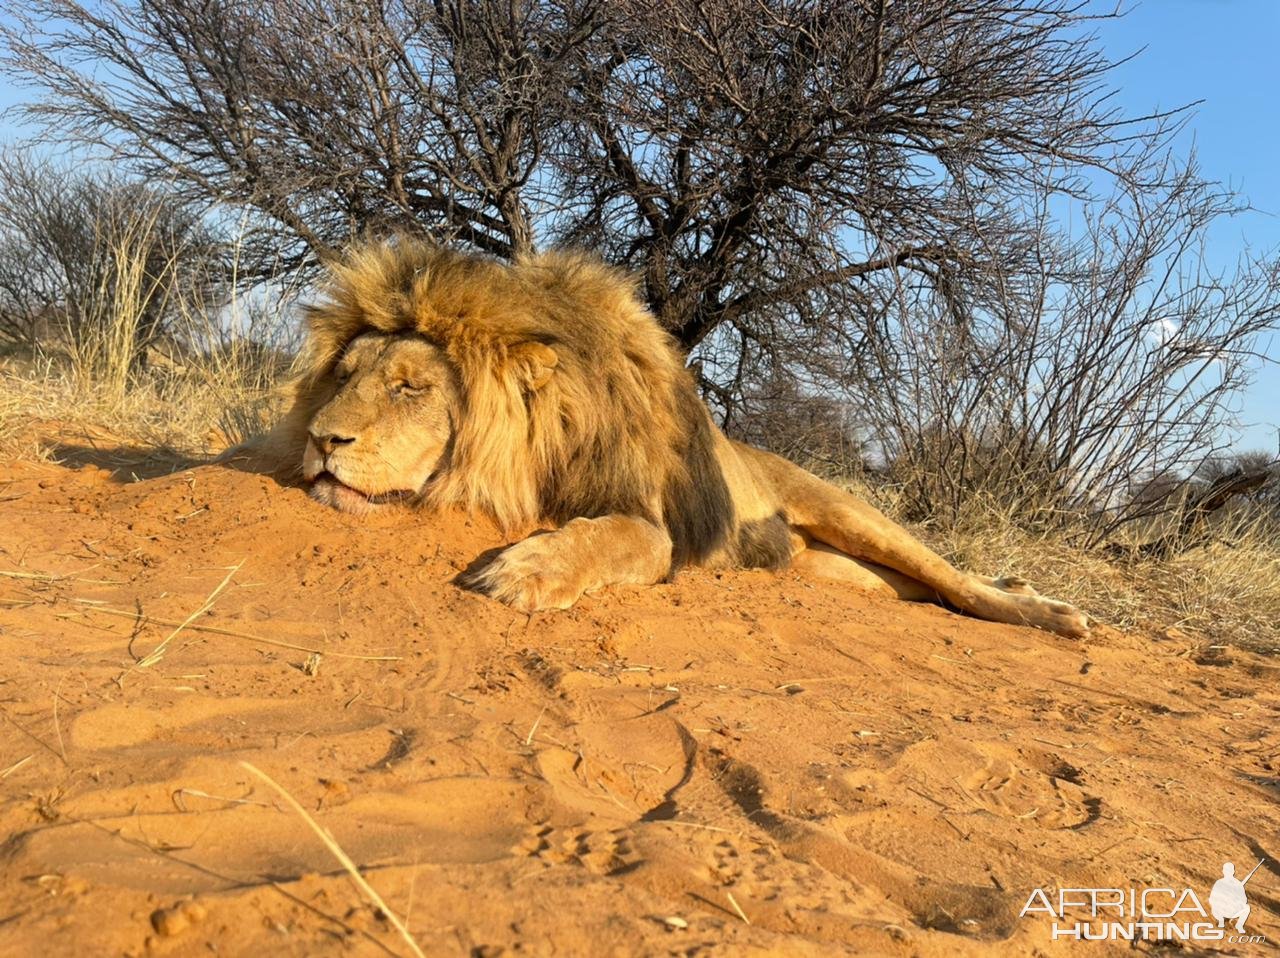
(405, 387)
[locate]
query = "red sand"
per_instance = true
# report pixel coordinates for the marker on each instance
(728, 764)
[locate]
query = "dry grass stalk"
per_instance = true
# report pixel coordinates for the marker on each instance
(343, 859)
(156, 654)
(528, 739)
(42, 576)
(6, 772)
(232, 633)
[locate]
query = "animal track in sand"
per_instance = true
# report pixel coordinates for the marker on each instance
(1039, 790)
(600, 852)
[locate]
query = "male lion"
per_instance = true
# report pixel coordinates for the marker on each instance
(545, 392)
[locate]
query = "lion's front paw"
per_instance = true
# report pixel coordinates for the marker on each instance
(529, 576)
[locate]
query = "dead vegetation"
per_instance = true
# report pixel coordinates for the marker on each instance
(1220, 585)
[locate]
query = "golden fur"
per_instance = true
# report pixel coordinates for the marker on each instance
(544, 392)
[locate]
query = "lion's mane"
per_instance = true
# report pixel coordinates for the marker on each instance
(617, 427)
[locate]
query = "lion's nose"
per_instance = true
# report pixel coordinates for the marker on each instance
(331, 441)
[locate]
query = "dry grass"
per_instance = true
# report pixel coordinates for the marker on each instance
(1226, 592)
(197, 410)
(209, 381)
(103, 351)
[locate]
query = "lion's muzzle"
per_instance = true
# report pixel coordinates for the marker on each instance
(332, 491)
(328, 484)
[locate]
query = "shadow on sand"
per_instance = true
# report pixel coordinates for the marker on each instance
(134, 463)
(125, 463)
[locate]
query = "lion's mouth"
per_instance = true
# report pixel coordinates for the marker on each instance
(327, 481)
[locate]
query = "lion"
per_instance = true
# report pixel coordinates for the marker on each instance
(545, 395)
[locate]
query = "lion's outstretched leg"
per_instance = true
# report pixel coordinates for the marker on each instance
(553, 570)
(860, 530)
(825, 513)
(818, 560)
(822, 561)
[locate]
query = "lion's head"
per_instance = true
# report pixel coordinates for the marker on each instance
(388, 427)
(420, 383)
(531, 391)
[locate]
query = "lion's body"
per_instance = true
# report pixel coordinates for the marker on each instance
(544, 392)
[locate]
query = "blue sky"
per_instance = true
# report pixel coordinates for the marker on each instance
(1224, 53)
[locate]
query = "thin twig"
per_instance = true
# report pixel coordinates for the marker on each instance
(156, 654)
(247, 636)
(5, 773)
(336, 850)
(528, 739)
(45, 576)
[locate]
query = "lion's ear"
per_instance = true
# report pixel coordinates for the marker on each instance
(533, 364)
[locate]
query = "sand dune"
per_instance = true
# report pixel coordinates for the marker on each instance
(727, 764)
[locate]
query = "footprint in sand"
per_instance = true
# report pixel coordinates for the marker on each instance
(812, 855)
(1038, 789)
(600, 852)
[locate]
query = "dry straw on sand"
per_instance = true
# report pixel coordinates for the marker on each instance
(343, 859)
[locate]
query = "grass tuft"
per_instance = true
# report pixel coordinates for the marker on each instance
(1224, 592)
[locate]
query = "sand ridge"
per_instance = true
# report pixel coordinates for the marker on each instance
(731, 763)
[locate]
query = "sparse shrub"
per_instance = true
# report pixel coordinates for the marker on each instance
(121, 305)
(99, 268)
